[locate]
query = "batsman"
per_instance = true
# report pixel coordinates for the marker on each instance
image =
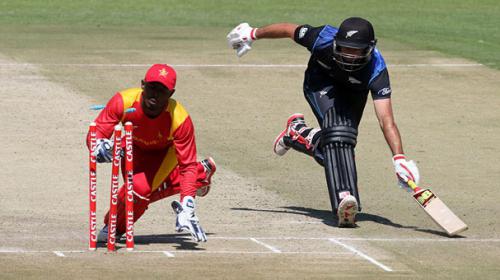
(164, 151)
(344, 66)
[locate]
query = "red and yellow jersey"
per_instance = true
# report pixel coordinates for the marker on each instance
(172, 128)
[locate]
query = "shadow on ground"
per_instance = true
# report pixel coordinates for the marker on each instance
(180, 241)
(328, 218)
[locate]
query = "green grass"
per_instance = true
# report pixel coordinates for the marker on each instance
(468, 29)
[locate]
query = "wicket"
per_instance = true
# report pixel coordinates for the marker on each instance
(92, 189)
(129, 169)
(129, 200)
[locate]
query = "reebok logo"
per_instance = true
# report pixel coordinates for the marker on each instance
(302, 32)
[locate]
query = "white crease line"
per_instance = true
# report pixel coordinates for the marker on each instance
(281, 222)
(232, 252)
(256, 252)
(361, 254)
(59, 254)
(97, 65)
(168, 254)
(266, 245)
(14, 251)
(445, 239)
(171, 255)
(375, 239)
(437, 65)
(21, 251)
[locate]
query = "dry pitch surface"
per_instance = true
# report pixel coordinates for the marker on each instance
(266, 217)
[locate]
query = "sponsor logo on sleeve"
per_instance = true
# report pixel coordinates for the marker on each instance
(384, 91)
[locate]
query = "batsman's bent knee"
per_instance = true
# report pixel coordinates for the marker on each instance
(338, 141)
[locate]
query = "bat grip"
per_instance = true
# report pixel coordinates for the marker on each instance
(413, 186)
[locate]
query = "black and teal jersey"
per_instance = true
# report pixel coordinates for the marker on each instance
(322, 68)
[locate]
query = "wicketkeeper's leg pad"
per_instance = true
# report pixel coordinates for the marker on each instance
(141, 202)
(338, 141)
(171, 185)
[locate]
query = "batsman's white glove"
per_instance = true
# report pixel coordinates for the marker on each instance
(187, 220)
(104, 150)
(405, 170)
(241, 38)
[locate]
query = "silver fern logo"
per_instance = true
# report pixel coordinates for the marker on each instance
(350, 33)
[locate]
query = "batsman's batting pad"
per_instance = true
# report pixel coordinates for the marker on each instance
(338, 141)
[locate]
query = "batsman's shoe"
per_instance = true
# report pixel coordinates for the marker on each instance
(210, 168)
(186, 219)
(102, 237)
(280, 147)
(348, 208)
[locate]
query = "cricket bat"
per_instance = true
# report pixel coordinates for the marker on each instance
(437, 210)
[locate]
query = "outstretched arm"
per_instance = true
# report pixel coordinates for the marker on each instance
(276, 31)
(405, 169)
(383, 110)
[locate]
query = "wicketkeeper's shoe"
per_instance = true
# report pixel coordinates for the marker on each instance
(348, 208)
(210, 168)
(102, 237)
(280, 147)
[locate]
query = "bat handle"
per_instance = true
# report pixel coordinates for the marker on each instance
(413, 186)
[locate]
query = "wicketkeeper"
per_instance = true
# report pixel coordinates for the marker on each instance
(164, 150)
(343, 67)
